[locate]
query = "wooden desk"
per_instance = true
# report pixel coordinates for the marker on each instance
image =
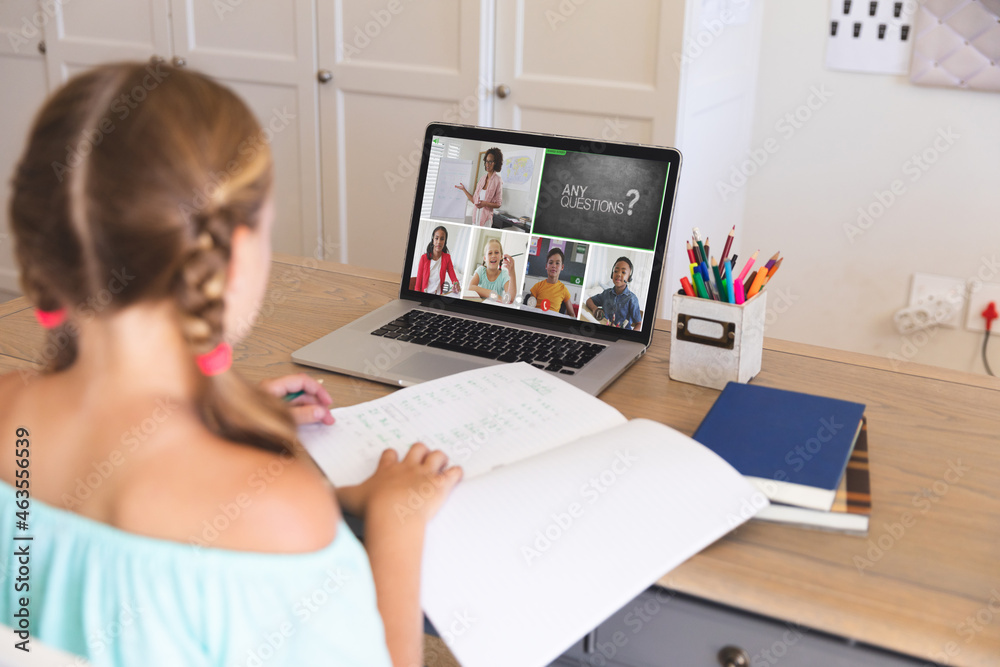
(931, 559)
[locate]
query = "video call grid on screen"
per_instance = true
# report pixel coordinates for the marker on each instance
(595, 209)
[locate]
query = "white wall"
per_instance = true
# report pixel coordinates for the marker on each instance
(718, 67)
(840, 283)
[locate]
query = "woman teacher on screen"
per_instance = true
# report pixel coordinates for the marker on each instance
(489, 191)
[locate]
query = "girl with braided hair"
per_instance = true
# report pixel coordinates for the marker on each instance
(164, 488)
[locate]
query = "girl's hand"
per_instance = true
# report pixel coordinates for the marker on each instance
(417, 486)
(507, 262)
(311, 407)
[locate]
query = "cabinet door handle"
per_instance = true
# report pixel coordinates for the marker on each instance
(733, 656)
(503, 90)
(179, 62)
(324, 76)
(41, 47)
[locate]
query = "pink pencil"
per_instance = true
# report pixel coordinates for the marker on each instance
(743, 273)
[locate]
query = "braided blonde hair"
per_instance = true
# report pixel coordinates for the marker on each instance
(153, 190)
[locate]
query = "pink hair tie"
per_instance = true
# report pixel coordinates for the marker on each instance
(50, 319)
(217, 361)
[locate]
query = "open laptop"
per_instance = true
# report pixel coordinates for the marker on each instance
(558, 266)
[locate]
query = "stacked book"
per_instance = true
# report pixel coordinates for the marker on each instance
(807, 454)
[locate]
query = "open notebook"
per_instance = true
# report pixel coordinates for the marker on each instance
(566, 512)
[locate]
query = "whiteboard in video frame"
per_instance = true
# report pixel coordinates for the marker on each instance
(449, 201)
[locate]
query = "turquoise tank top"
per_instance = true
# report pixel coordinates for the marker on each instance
(117, 598)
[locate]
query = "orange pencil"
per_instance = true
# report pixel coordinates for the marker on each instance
(771, 261)
(774, 269)
(758, 282)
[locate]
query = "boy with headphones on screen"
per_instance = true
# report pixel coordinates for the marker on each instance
(618, 304)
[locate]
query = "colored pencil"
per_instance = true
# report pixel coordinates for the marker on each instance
(771, 261)
(757, 283)
(773, 270)
(731, 291)
(718, 278)
(686, 284)
(706, 275)
(700, 245)
(728, 245)
(743, 273)
(700, 284)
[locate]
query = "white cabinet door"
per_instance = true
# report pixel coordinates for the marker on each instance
(396, 65)
(266, 52)
(589, 69)
(83, 34)
(24, 82)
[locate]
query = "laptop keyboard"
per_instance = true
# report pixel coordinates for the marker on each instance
(491, 341)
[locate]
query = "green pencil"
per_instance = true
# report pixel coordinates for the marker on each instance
(699, 285)
(719, 281)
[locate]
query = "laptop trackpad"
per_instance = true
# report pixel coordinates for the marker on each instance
(423, 367)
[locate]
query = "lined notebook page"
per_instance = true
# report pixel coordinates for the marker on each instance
(536, 554)
(481, 419)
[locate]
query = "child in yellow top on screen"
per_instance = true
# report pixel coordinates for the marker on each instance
(551, 293)
(618, 304)
(496, 275)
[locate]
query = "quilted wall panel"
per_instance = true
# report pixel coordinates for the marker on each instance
(957, 44)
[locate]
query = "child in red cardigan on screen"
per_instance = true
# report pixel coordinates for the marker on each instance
(435, 265)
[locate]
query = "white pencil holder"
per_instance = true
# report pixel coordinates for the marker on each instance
(712, 342)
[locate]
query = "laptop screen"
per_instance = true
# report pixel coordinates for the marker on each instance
(553, 230)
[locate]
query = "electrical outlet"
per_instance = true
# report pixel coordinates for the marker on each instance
(926, 289)
(980, 295)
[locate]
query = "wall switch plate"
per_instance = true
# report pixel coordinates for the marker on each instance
(980, 295)
(927, 288)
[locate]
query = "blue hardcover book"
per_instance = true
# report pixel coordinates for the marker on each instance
(794, 447)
